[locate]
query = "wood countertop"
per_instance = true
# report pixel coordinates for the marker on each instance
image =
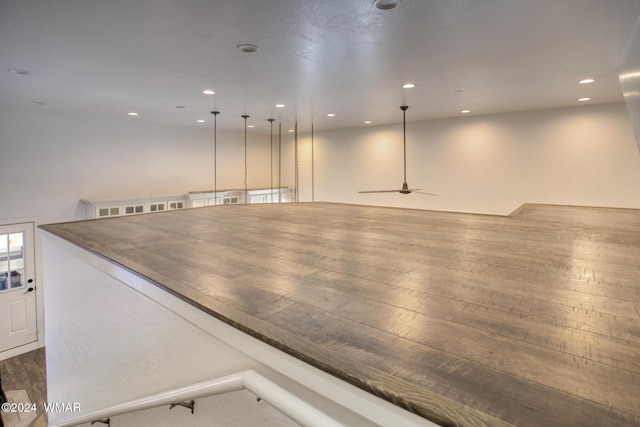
(466, 320)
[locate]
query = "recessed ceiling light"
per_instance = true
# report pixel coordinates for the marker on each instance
(251, 126)
(465, 111)
(19, 71)
(331, 115)
(208, 92)
(291, 130)
(280, 105)
(385, 4)
(367, 122)
(585, 81)
(408, 86)
(200, 121)
(180, 106)
(584, 99)
(132, 114)
(37, 103)
(247, 48)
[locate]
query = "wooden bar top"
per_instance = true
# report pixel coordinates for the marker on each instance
(466, 320)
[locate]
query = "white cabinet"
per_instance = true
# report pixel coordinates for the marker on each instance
(137, 205)
(200, 199)
(134, 205)
(196, 199)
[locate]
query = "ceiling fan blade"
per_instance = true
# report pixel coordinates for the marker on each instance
(380, 191)
(422, 192)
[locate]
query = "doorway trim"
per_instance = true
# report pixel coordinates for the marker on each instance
(37, 249)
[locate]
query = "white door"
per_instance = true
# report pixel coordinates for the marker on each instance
(17, 296)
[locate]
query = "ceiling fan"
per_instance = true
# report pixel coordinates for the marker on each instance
(405, 187)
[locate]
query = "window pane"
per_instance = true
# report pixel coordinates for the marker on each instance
(11, 260)
(4, 261)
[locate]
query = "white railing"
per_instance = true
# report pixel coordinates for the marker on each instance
(290, 405)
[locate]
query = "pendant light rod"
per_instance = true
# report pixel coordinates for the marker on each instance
(297, 181)
(215, 156)
(404, 137)
(279, 161)
(313, 172)
(245, 117)
(271, 122)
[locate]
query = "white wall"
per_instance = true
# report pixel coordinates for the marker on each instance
(491, 164)
(629, 72)
(585, 156)
(48, 163)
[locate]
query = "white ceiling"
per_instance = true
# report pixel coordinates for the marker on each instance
(104, 58)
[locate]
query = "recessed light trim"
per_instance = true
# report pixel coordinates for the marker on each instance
(367, 122)
(408, 86)
(385, 4)
(585, 99)
(331, 115)
(465, 111)
(200, 121)
(251, 126)
(280, 105)
(586, 81)
(247, 48)
(208, 92)
(19, 71)
(132, 113)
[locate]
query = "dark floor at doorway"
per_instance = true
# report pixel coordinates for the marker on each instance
(28, 372)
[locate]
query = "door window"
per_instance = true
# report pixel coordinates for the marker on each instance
(12, 261)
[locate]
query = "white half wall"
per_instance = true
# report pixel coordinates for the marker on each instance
(487, 164)
(114, 337)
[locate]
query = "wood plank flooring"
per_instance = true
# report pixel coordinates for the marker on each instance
(467, 320)
(28, 372)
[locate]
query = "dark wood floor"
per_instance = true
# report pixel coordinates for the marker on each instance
(470, 320)
(28, 372)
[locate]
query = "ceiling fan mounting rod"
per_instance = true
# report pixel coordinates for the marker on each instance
(405, 187)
